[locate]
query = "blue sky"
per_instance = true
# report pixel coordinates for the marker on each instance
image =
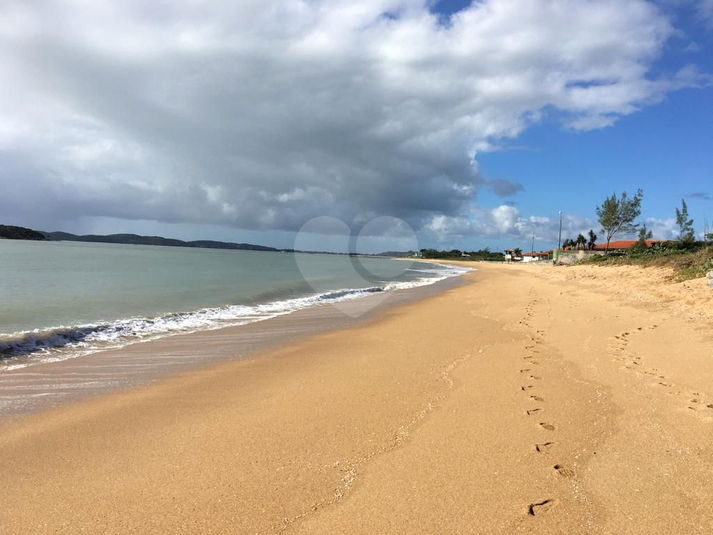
(412, 122)
(666, 149)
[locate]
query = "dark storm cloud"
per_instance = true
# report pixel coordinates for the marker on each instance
(504, 188)
(261, 116)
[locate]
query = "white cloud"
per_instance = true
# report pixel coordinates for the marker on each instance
(662, 229)
(262, 115)
(506, 221)
(705, 10)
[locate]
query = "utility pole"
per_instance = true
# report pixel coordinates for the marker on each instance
(533, 243)
(559, 240)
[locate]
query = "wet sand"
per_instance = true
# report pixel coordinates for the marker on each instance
(53, 384)
(529, 400)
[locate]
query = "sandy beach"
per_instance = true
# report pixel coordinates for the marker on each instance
(530, 399)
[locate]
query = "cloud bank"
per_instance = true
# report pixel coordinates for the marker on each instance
(506, 222)
(262, 115)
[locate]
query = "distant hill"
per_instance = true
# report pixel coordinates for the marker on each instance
(135, 239)
(10, 232)
(20, 233)
(397, 254)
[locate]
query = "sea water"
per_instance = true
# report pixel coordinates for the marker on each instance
(63, 299)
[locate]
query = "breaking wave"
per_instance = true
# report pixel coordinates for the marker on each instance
(62, 342)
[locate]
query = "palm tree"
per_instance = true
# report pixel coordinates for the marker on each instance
(517, 253)
(581, 242)
(592, 240)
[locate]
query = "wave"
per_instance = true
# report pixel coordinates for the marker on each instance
(63, 342)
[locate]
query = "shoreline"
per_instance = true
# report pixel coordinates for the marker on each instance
(72, 299)
(47, 385)
(522, 401)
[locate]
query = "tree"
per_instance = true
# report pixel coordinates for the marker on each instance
(643, 236)
(616, 215)
(581, 242)
(686, 234)
(592, 239)
(517, 253)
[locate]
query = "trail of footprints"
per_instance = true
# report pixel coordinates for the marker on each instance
(537, 411)
(634, 362)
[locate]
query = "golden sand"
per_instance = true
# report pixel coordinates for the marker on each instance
(530, 400)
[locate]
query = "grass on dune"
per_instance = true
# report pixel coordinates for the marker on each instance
(687, 264)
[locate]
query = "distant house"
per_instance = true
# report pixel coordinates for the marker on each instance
(534, 257)
(525, 257)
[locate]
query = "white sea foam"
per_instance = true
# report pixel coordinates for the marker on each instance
(64, 342)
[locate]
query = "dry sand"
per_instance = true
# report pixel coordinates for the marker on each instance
(531, 400)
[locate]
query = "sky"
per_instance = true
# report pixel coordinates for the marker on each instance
(408, 124)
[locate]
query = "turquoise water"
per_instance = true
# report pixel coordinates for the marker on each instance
(60, 296)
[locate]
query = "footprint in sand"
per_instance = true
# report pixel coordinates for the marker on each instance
(564, 471)
(540, 508)
(537, 398)
(547, 426)
(544, 447)
(533, 411)
(525, 370)
(536, 377)
(534, 362)
(527, 387)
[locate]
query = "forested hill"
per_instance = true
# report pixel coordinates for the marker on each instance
(135, 239)
(11, 232)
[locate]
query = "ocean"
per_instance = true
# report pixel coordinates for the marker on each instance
(59, 300)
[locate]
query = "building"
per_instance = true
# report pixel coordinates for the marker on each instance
(535, 257)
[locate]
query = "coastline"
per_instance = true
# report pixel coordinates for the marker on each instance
(51, 384)
(61, 315)
(522, 401)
